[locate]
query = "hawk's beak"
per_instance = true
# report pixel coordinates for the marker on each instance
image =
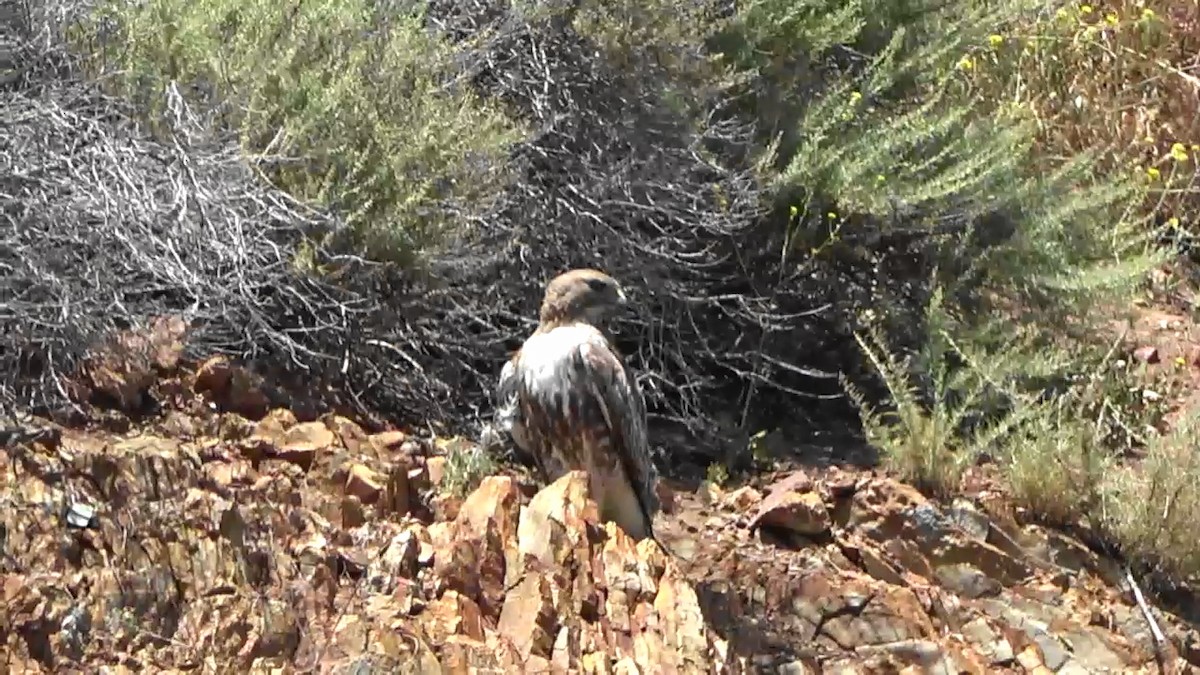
(621, 299)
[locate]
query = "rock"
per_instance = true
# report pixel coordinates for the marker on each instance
(966, 580)
(350, 435)
(445, 506)
(178, 425)
(340, 563)
(272, 428)
(1146, 354)
(970, 520)
(1091, 652)
(301, 444)
(743, 499)
(994, 647)
(125, 364)
(555, 522)
(1031, 661)
(529, 617)
(476, 558)
(435, 469)
(802, 513)
(225, 476)
(796, 481)
(353, 514)
(875, 565)
(364, 484)
(388, 440)
(234, 427)
(397, 494)
(230, 387)
(307, 434)
(454, 614)
(666, 497)
(685, 635)
(406, 551)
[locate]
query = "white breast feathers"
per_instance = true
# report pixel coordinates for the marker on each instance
(546, 358)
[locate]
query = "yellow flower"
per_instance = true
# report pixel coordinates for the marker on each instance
(1085, 9)
(996, 40)
(1195, 148)
(880, 179)
(1061, 14)
(831, 215)
(1179, 153)
(1180, 361)
(855, 97)
(1173, 223)
(1111, 18)
(966, 63)
(1153, 173)
(1147, 14)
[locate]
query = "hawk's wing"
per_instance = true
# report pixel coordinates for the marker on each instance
(508, 409)
(603, 371)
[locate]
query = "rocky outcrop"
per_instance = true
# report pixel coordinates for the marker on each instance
(895, 581)
(217, 544)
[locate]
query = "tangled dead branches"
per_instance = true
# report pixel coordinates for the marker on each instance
(105, 228)
(730, 334)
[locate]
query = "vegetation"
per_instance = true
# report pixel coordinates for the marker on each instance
(467, 464)
(347, 103)
(969, 191)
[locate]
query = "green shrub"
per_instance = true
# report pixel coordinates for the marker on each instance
(467, 464)
(344, 102)
(899, 130)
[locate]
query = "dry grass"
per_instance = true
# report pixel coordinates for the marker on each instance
(1152, 506)
(1119, 78)
(1092, 456)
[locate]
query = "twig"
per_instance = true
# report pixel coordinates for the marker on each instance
(1160, 640)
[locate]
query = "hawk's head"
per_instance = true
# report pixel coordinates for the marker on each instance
(581, 295)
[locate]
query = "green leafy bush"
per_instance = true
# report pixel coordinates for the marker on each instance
(900, 132)
(346, 103)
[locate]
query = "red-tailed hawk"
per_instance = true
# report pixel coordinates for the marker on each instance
(569, 402)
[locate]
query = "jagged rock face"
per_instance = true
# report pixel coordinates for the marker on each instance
(282, 546)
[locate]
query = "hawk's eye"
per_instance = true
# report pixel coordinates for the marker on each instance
(598, 285)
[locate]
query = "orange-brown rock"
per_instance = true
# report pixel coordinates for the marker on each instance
(364, 484)
(349, 434)
(388, 440)
(231, 387)
(743, 499)
(802, 513)
(435, 470)
(204, 554)
(124, 365)
(792, 506)
(476, 556)
(298, 444)
(398, 489)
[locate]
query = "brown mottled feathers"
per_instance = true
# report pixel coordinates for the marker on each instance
(570, 402)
